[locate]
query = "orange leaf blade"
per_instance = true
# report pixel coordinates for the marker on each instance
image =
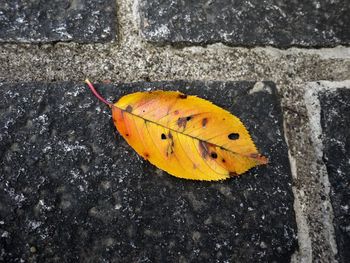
(186, 136)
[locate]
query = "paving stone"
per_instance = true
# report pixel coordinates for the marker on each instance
(71, 188)
(248, 23)
(83, 21)
(335, 120)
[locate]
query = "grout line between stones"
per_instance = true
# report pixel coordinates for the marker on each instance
(303, 134)
(314, 115)
(131, 58)
(304, 253)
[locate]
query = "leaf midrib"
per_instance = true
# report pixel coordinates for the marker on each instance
(191, 136)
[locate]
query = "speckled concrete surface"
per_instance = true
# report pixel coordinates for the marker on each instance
(246, 22)
(76, 190)
(335, 122)
(83, 21)
(133, 59)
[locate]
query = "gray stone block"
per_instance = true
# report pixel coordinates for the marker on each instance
(335, 121)
(72, 189)
(247, 23)
(84, 21)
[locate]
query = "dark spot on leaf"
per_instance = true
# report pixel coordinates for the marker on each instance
(128, 109)
(188, 118)
(214, 155)
(176, 112)
(233, 136)
(233, 174)
(170, 135)
(223, 160)
(163, 136)
(146, 155)
(127, 134)
(204, 122)
(182, 96)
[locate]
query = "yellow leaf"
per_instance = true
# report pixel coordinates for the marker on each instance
(186, 136)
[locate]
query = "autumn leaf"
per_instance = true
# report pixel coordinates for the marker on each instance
(186, 136)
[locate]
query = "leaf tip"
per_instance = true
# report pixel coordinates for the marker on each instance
(262, 159)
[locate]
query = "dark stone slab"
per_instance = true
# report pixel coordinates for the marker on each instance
(248, 23)
(84, 21)
(72, 189)
(335, 120)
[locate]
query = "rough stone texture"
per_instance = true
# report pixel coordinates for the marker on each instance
(248, 23)
(83, 21)
(335, 121)
(134, 59)
(71, 188)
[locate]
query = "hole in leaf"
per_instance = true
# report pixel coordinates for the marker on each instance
(214, 155)
(163, 137)
(188, 118)
(233, 136)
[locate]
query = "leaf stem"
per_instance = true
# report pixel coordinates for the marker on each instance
(94, 91)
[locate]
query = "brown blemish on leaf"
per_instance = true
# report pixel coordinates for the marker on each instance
(146, 155)
(170, 148)
(204, 122)
(176, 112)
(233, 174)
(214, 155)
(194, 166)
(182, 96)
(181, 122)
(203, 148)
(233, 136)
(223, 160)
(128, 109)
